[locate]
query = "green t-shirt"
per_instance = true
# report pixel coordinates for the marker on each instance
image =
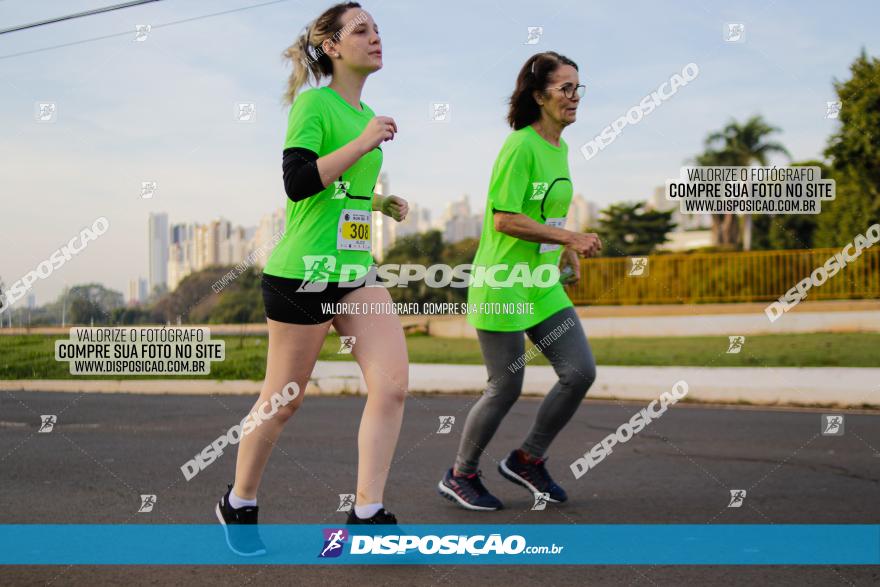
(324, 232)
(531, 177)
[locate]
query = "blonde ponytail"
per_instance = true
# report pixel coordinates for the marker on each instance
(306, 54)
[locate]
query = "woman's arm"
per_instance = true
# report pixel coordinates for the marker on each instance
(306, 174)
(333, 165)
(521, 226)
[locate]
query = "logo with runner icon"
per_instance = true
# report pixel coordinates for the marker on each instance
(47, 423)
(346, 345)
(541, 500)
(832, 425)
(539, 190)
(346, 502)
(148, 502)
(340, 189)
(318, 269)
(446, 424)
(737, 497)
(736, 344)
(638, 267)
(334, 542)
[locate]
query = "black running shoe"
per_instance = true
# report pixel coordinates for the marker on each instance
(468, 492)
(240, 527)
(383, 516)
(533, 476)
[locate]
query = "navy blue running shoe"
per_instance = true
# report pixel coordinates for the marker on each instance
(468, 492)
(532, 475)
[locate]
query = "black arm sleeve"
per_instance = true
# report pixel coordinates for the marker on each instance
(301, 177)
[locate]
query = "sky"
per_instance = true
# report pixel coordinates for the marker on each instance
(164, 109)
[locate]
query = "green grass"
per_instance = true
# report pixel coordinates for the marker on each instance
(33, 356)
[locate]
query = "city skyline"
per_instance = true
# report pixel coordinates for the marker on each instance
(187, 247)
(165, 111)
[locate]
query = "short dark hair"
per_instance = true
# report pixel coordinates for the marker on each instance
(533, 76)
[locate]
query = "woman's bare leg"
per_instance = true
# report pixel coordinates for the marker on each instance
(380, 350)
(293, 350)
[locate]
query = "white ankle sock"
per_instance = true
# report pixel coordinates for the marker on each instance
(237, 502)
(367, 511)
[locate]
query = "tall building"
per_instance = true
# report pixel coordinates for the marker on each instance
(458, 221)
(270, 229)
(197, 246)
(157, 235)
(182, 254)
(417, 221)
(581, 214)
(137, 291)
(458, 208)
(232, 242)
(209, 243)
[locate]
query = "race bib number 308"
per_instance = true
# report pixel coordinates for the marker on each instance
(355, 228)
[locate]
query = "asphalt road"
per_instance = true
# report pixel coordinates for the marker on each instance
(106, 450)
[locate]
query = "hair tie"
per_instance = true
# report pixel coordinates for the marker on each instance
(537, 58)
(311, 52)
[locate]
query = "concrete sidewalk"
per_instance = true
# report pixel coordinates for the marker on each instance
(699, 320)
(848, 387)
(630, 321)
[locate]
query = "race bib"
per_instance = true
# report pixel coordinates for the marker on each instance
(558, 223)
(355, 227)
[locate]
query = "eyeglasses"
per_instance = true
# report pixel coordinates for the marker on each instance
(570, 90)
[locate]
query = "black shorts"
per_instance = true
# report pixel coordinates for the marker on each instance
(285, 303)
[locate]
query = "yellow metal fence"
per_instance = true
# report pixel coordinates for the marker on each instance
(723, 277)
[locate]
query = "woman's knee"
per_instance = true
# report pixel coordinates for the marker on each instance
(280, 405)
(285, 412)
(505, 390)
(390, 389)
(578, 376)
(396, 396)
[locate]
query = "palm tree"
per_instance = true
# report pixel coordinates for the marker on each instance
(740, 145)
(725, 227)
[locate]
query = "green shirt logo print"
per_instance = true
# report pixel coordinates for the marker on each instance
(340, 189)
(539, 190)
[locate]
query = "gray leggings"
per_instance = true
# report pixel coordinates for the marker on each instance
(562, 340)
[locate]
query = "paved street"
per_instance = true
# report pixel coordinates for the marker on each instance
(107, 449)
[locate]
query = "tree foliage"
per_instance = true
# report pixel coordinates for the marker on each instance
(429, 249)
(854, 152)
(628, 229)
(738, 145)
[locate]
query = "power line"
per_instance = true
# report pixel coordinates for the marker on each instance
(128, 33)
(75, 15)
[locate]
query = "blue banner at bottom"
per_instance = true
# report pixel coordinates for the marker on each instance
(437, 544)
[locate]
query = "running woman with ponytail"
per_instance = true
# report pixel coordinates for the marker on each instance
(529, 194)
(331, 161)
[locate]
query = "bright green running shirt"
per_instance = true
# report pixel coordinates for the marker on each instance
(531, 177)
(332, 228)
